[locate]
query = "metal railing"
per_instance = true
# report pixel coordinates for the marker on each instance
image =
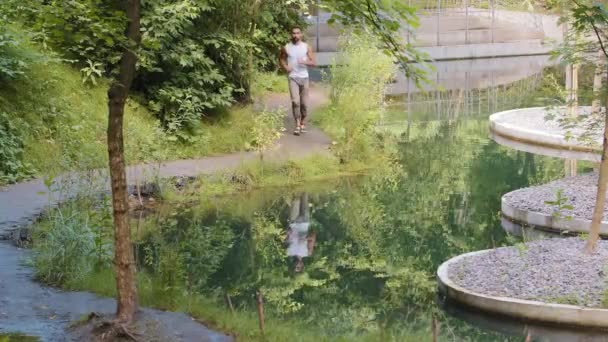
(491, 11)
(472, 14)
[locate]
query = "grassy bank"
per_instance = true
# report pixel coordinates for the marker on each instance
(242, 324)
(55, 122)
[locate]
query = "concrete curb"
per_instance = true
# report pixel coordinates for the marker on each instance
(547, 222)
(570, 315)
(527, 232)
(538, 141)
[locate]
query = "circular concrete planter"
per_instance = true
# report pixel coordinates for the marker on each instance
(524, 129)
(546, 222)
(529, 233)
(520, 328)
(529, 310)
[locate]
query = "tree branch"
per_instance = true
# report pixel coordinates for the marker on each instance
(595, 29)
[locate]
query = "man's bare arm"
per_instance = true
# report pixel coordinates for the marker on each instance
(311, 240)
(283, 60)
(311, 60)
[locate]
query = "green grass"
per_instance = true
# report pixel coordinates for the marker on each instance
(269, 82)
(257, 175)
(17, 338)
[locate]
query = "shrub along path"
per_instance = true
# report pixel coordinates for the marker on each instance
(28, 307)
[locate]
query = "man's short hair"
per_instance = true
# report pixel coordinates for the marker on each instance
(296, 28)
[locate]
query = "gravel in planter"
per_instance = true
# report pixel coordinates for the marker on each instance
(580, 192)
(552, 270)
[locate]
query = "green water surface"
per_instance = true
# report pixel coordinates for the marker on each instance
(370, 245)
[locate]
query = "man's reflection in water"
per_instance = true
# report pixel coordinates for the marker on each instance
(300, 240)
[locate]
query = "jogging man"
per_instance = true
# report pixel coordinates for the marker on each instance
(296, 57)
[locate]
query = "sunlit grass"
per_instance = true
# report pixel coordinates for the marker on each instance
(269, 82)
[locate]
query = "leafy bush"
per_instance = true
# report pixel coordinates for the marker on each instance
(357, 97)
(81, 30)
(12, 167)
(267, 127)
(11, 65)
(13, 62)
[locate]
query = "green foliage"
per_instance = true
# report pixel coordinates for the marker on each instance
(70, 242)
(12, 166)
(91, 72)
(265, 82)
(266, 130)
(182, 81)
(266, 174)
(561, 204)
(379, 239)
(11, 63)
(62, 124)
(181, 253)
(51, 122)
(16, 337)
(81, 30)
(197, 56)
(589, 16)
(357, 97)
(586, 19)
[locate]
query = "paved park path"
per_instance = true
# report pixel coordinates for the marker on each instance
(31, 308)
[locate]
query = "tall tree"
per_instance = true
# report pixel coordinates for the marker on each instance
(124, 262)
(594, 18)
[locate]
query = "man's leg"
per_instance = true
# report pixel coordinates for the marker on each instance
(303, 101)
(304, 209)
(295, 209)
(294, 92)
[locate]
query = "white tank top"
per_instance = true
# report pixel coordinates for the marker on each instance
(295, 53)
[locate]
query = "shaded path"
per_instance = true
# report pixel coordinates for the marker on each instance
(28, 307)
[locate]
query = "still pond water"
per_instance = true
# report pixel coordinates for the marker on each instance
(357, 257)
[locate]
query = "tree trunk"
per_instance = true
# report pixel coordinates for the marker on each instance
(600, 200)
(597, 82)
(124, 263)
(435, 328)
(572, 88)
(259, 298)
